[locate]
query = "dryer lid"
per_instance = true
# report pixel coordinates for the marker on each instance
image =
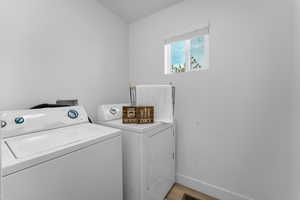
(139, 128)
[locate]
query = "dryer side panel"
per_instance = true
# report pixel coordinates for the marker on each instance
(131, 165)
(159, 164)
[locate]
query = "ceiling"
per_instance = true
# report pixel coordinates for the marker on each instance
(131, 10)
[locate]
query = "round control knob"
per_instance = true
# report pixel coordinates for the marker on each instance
(19, 120)
(73, 114)
(114, 110)
(3, 124)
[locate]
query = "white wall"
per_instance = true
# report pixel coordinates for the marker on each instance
(296, 101)
(61, 49)
(233, 120)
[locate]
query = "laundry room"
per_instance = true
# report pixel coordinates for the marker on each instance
(149, 100)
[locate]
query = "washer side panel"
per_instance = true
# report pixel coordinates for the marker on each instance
(92, 173)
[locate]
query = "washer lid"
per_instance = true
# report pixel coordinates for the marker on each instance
(24, 151)
(45, 142)
(32, 144)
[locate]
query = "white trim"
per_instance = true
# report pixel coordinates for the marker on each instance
(207, 51)
(167, 55)
(212, 190)
(187, 49)
(188, 36)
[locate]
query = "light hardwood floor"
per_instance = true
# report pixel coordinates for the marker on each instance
(178, 192)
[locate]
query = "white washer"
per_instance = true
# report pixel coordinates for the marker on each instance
(148, 155)
(55, 154)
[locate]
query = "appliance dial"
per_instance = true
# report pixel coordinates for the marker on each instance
(73, 114)
(114, 110)
(19, 120)
(2, 124)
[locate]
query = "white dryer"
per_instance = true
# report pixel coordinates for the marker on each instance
(55, 154)
(148, 155)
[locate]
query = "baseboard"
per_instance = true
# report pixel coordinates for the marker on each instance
(212, 190)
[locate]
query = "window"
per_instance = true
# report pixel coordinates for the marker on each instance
(188, 52)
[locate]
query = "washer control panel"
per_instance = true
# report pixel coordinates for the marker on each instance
(21, 122)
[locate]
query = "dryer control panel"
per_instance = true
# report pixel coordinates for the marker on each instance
(110, 112)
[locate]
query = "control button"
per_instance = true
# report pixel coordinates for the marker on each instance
(73, 114)
(19, 120)
(114, 110)
(3, 124)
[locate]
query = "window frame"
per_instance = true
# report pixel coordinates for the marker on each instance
(187, 49)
